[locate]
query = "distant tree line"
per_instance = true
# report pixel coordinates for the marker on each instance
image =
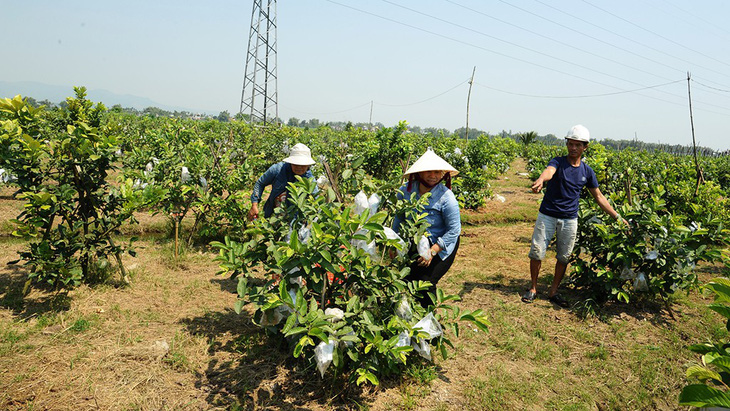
(524, 138)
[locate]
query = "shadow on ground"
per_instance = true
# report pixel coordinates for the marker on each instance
(252, 368)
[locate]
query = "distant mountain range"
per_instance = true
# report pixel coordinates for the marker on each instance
(57, 94)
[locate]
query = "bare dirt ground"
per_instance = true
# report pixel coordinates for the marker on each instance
(172, 341)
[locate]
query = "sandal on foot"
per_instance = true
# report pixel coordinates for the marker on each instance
(529, 296)
(559, 300)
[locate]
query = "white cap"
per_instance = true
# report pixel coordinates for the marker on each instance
(579, 133)
(430, 161)
(300, 155)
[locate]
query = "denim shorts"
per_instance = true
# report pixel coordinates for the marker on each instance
(546, 228)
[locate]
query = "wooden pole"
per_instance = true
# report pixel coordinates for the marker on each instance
(176, 232)
(468, 97)
(700, 177)
(371, 115)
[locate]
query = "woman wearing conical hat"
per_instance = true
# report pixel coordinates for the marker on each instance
(432, 174)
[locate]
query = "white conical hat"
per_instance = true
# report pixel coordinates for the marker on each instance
(430, 161)
(300, 155)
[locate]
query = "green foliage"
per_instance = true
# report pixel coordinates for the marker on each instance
(539, 155)
(335, 280)
(527, 138)
(714, 372)
(174, 167)
(62, 160)
(654, 256)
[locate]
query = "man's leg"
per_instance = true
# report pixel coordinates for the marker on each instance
(560, 269)
(541, 236)
(534, 273)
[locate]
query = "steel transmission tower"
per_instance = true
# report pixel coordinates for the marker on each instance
(259, 95)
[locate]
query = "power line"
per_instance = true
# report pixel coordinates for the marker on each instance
(531, 63)
(654, 33)
(689, 13)
(330, 112)
(423, 101)
(618, 35)
(554, 40)
(507, 41)
(535, 51)
(581, 96)
(714, 88)
(383, 104)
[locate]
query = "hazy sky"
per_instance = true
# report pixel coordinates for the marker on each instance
(619, 67)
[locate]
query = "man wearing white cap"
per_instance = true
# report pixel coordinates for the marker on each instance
(432, 174)
(279, 176)
(564, 177)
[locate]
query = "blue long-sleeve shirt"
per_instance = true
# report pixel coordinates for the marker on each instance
(278, 176)
(443, 216)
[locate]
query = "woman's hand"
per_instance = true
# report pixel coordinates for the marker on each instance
(253, 213)
(423, 262)
(435, 249)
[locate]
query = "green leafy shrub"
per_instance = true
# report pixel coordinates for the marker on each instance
(62, 160)
(714, 372)
(654, 256)
(334, 285)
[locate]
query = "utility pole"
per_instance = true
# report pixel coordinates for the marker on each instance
(700, 177)
(371, 115)
(259, 95)
(468, 97)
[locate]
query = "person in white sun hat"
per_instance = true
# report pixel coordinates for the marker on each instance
(564, 178)
(278, 176)
(432, 174)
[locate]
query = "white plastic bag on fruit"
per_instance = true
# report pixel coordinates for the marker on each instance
(297, 280)
(423, 348)
(429, 325)
(628, 274)
(336, 313)
(369, 248)
(322, 181)
(373, 203)
(403, 310)
(652, 255)
(640, 283)
(203, 183)
(404, 340)
(323, 355)
(184, 175)
(424, 248)
(392, 235)
(361, 203)
(271, 317)
(304, 234)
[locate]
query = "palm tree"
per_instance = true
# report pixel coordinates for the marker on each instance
(527, 138)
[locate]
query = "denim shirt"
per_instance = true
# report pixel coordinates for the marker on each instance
(443, 216)
(278, 176)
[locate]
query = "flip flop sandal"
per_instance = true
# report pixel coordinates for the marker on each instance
(529, 296)
(559, 300)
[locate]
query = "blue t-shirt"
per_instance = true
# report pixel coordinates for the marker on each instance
(563, 190)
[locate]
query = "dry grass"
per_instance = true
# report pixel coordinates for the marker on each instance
(172, 341)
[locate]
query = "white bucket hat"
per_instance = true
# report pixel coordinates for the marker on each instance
(430, 161)
(579, 133)
(300, 155)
